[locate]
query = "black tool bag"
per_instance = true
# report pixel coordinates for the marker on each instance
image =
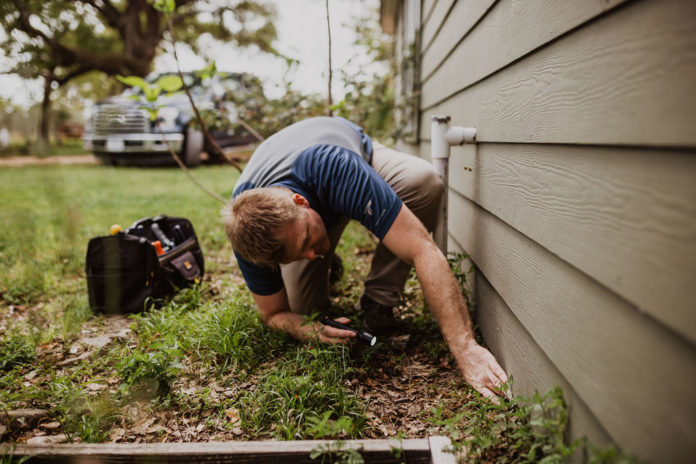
(124, 270)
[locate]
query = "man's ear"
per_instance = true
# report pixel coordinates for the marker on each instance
(299, 200)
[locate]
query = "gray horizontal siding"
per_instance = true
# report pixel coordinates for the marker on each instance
(433, 22)
(626, 217)
(617, 360)
(529, 366)
(626, 78)
(459, 22)
(510, 28)
(578, 203)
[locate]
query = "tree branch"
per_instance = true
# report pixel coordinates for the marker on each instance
(214, 145)
(71, 75)
(108, 11)
(112, 63)
(26, 24)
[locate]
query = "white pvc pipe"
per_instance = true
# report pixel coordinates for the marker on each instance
(442, 136)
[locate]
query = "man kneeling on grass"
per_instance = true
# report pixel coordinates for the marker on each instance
(289, 208)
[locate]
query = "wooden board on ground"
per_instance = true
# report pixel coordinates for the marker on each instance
(425, 451)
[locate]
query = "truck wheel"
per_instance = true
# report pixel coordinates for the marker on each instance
(193, 146)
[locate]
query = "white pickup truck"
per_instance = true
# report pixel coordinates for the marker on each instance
(119, 132)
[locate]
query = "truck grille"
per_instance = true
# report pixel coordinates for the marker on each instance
(115, 119)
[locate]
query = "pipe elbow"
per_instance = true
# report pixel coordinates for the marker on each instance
(459, 135)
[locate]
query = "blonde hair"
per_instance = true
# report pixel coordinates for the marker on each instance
(255, 221)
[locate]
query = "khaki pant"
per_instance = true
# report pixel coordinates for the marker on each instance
(416, 182)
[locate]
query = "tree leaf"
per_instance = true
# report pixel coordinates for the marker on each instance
(133, 81)
(169, 83)
(165, 6)
(152, 92)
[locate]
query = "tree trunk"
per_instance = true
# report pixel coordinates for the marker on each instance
(46, 109)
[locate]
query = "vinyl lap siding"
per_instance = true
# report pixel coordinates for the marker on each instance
(578, 203)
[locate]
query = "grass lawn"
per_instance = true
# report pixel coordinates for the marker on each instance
(204, 367)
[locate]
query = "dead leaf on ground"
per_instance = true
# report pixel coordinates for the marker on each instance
(96, 342)
(95, 387)
(233, 415)
(71, 361)
(47, 439)
(53, 425)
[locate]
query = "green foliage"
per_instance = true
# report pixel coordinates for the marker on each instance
(169, 83)
(268, 116)
(463, 269)
(610, 455)
(517, 430)
(207, 72)
(295, 397)
(83, 417)
(51, 212)
(165, 6)
(8, 456)
(336, 452)
(150, 372)
(134, 81)
(17, 350)
(369, 99)
(228, 335)
(61, 41)
(322, 427)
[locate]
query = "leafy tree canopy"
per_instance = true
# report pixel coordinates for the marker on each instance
(70, 37)
(63, 39)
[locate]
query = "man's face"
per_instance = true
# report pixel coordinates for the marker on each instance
(306, 238)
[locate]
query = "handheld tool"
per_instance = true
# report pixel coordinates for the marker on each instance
(363, 336)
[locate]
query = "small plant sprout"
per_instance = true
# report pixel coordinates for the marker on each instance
(151, 92)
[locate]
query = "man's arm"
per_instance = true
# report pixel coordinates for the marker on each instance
(409, 240)
(275, 312)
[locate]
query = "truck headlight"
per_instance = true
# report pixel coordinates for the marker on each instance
(168, 118)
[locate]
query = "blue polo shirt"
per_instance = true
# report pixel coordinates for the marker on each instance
(326, 160)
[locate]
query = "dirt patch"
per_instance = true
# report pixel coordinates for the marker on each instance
(20, 161)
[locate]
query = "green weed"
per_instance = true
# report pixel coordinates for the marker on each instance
(82, 417)
(610, 455)
(517, 430)
(150, 373)
(17, 350)
(294, 397)
(336, 452)
(8, 456)
(227, 334)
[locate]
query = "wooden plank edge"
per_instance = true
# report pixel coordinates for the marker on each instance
(440, 451)
(414, 448)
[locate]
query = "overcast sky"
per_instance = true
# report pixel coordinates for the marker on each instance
(302, 34)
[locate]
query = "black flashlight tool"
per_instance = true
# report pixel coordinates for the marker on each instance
(362, 335)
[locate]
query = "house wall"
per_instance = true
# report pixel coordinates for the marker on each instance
(578, 202)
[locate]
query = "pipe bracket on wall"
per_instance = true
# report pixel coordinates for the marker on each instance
(442, 136)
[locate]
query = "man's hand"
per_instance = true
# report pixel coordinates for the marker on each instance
(275, 312)
(482, 371)
(325, 333)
